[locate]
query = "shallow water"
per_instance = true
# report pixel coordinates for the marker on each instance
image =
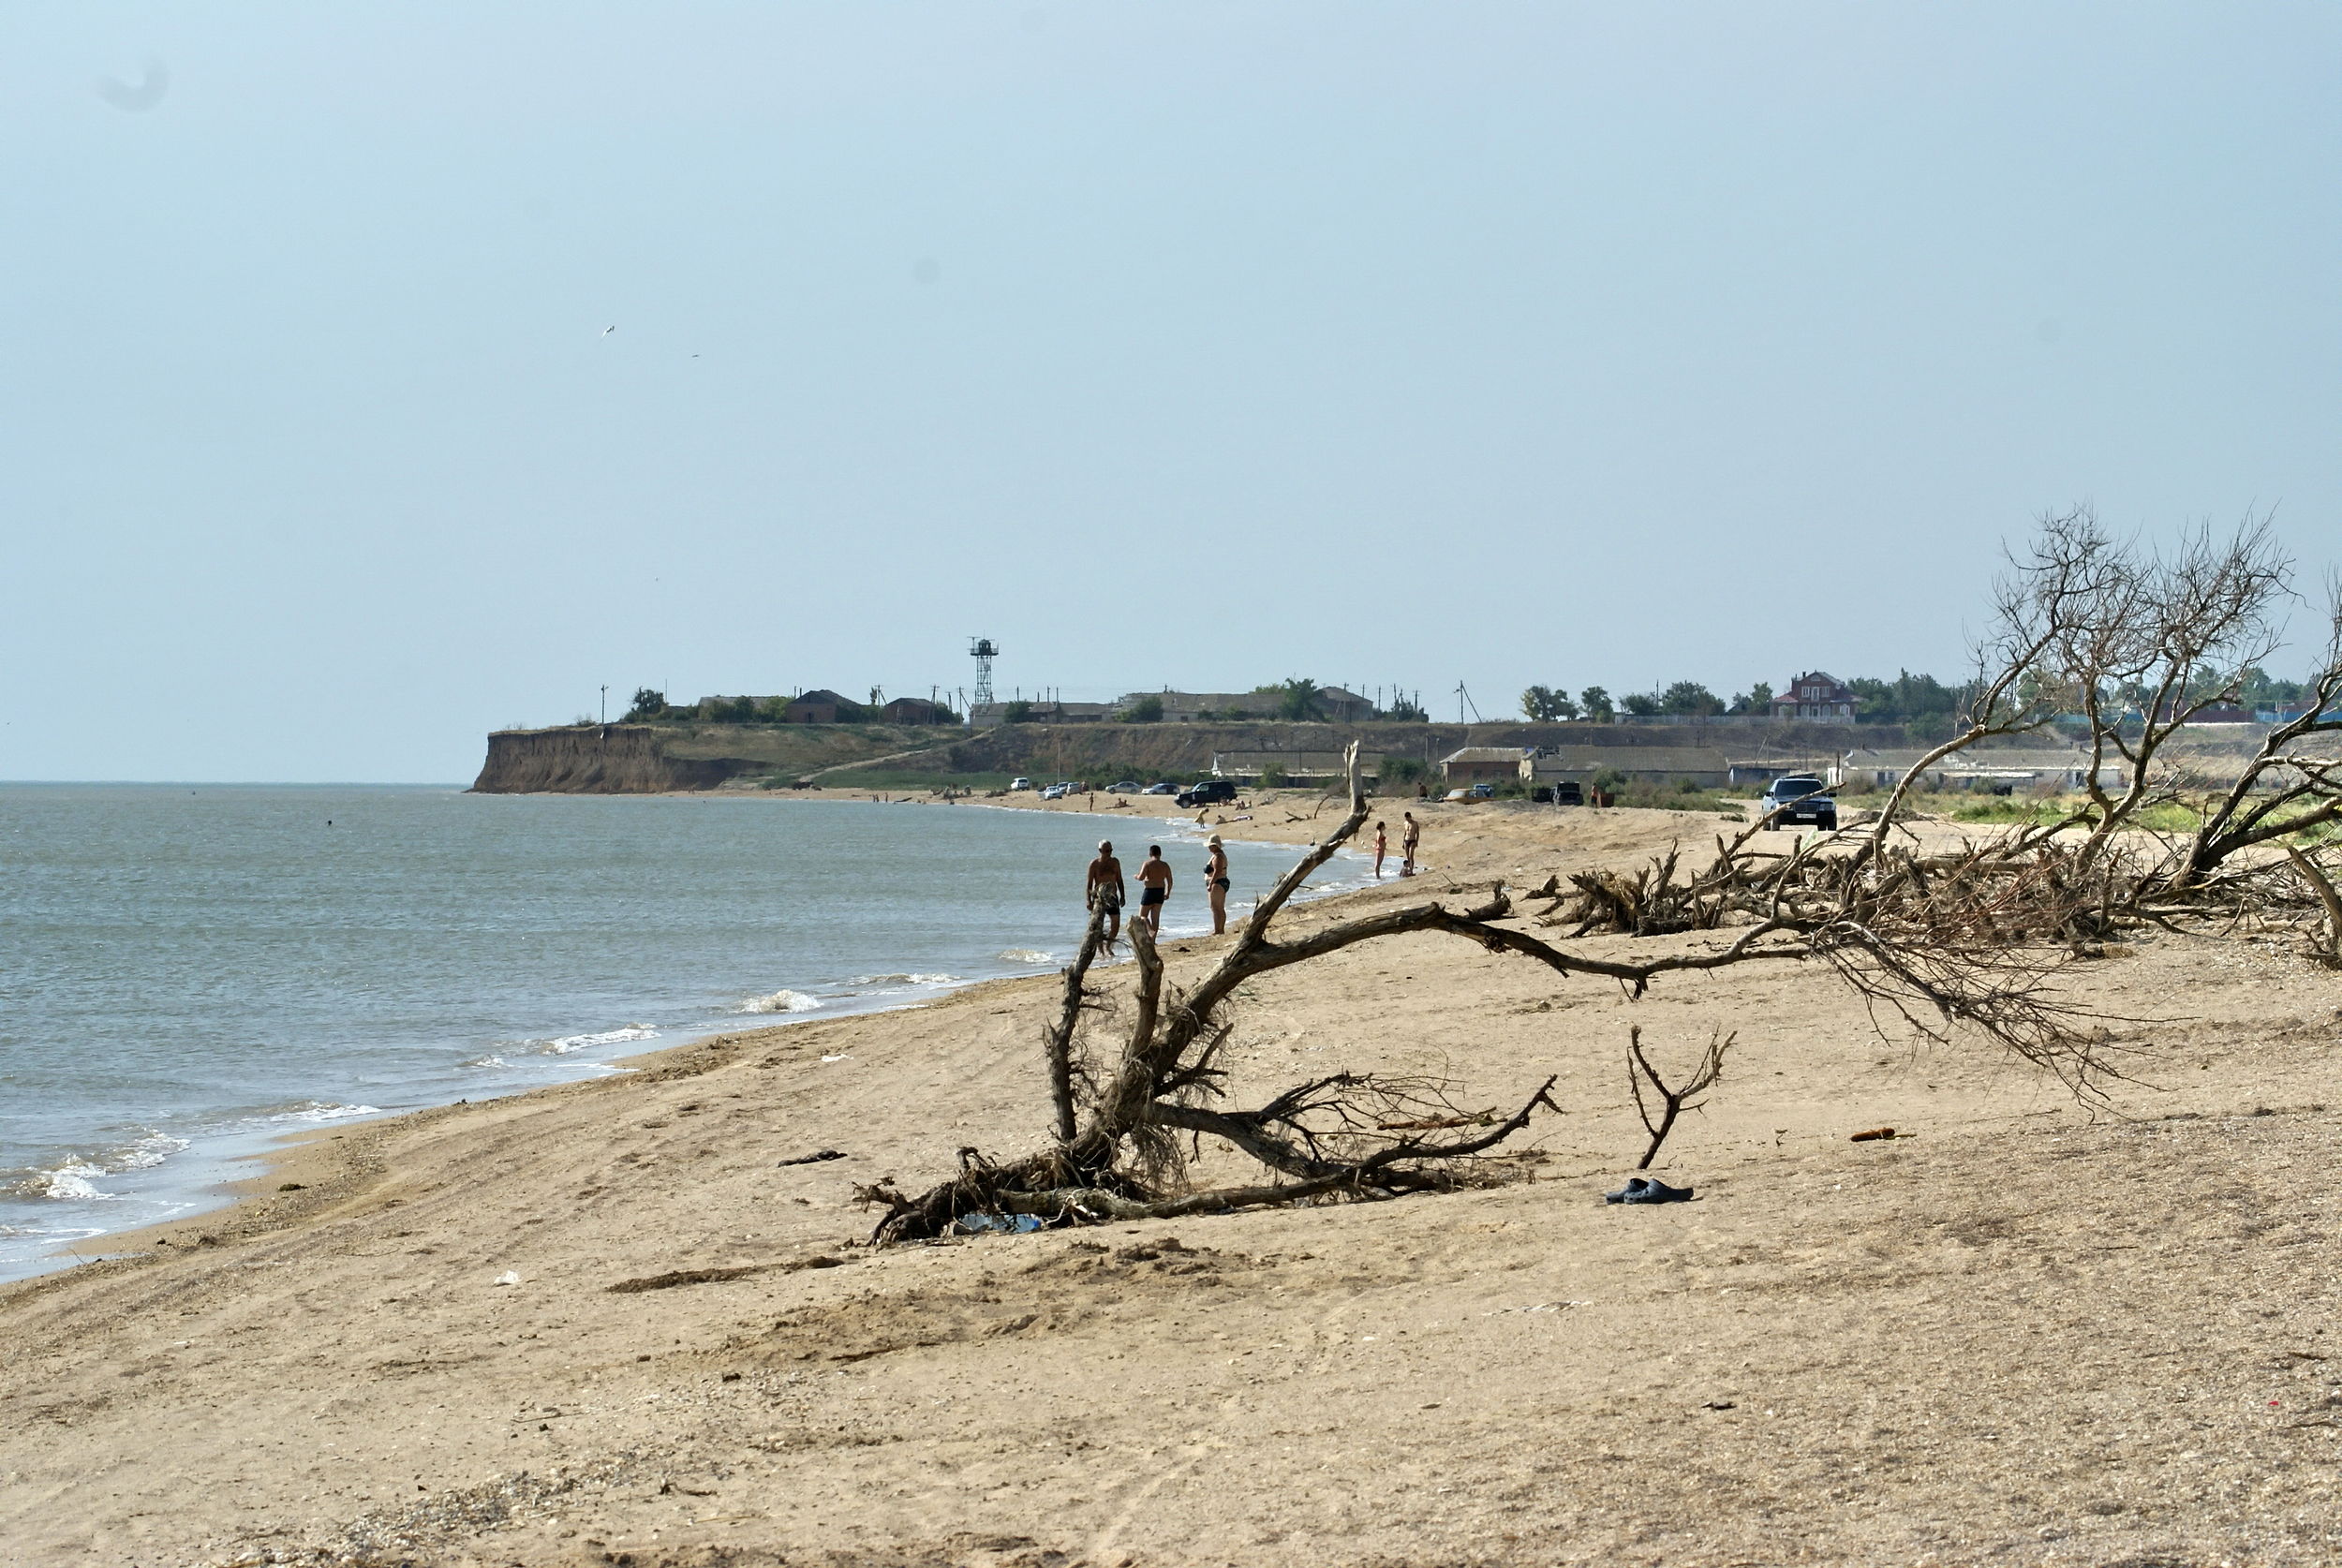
(188, 974)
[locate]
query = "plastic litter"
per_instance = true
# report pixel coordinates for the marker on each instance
(977, 1225)
(508, 1278)
(1643, 1190)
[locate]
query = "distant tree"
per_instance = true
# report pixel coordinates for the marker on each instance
(1595, 702)
(648, 705)
(1904, 700)
(1757, 700)
(724, 710)
(1272, 777)
(1642, 705)
(1545, 706)
(1297, 698)
(2255, 689)
(1690, 698)
(1146, 710)
(1400, 770)
(773, 710)
(1404, 711)
(1017, 712)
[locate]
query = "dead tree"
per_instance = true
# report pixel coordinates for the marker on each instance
(1913, 952)
(1673, 1101)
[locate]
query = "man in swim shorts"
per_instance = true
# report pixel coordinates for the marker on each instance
(1154, 879)
(1104, 890)
(1407, 841)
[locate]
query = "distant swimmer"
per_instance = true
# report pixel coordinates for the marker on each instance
(1407, 841)
(1104, 890)
(1216, 880)
(1382, 847)
(1154, 876)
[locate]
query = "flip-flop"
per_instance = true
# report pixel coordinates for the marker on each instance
(1641, 1190)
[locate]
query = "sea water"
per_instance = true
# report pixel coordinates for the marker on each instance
(188, 974)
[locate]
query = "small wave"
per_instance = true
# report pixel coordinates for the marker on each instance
(69, 1182)
(321, 1110)
(487, 1061)
(781, 1002)
(568, 1043)
(904, 980)
(145, 1153)
(1027, 955)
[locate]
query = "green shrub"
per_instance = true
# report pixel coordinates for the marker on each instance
(1146, 710)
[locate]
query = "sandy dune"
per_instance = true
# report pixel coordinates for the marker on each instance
(2029, 1334)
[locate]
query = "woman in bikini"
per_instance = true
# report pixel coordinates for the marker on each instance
(1216, 882)
(1154, 880)
(1382, 847)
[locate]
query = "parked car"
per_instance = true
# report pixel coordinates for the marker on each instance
(1568, 791)
(1211, 792)
(1484, 791)
(1800, 799)
(1057, 791)
(1163, 789)
(1019, 782)
(1128, 787)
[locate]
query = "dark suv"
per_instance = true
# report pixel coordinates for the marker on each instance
(1800, 799)
(1211, 792)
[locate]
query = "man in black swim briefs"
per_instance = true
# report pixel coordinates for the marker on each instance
(1154, 877)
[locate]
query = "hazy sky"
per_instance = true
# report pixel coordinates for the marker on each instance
(1170, 343)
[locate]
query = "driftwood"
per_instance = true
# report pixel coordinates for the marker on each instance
(1969, 939)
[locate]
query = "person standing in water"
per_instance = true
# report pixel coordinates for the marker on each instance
(1382, 847)
(1104, 890)
(1154, 886)
(1216, 882)
(1407, 841)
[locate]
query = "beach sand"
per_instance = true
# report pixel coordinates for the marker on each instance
(2026, 1332)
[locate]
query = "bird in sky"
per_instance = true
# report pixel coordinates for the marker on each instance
(607, 330)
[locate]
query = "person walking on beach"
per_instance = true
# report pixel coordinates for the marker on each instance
(1382, 847)
(1154, 886)
(1216, 882)
(1407, 841)
(1104, 890)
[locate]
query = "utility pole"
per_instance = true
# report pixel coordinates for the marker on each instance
(605, 704)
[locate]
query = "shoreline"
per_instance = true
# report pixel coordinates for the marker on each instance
(307, 1157)
(635, 1318)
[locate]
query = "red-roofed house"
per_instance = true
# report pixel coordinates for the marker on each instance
(1815, 697)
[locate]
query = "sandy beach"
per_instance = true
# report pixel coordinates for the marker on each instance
(628, 1322)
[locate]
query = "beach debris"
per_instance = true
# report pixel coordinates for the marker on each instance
(685, 1276)
(1719, 1404)
(1672, 1101)
(1875, 1135)
(814, 1159)
(1645, 1190)
(508, 1278)
(839, 1057)
(1015, 1224)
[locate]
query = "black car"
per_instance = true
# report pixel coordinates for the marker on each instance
(1799, 797)
(1211, 792)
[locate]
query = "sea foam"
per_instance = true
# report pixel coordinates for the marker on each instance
(568, 1043)
(781, 1002)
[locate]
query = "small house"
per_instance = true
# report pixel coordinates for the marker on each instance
(817, 707)
(1816, 697)
(1488, 764)
(916, 710)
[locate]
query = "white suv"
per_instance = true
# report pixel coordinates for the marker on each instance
(1020, 782)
